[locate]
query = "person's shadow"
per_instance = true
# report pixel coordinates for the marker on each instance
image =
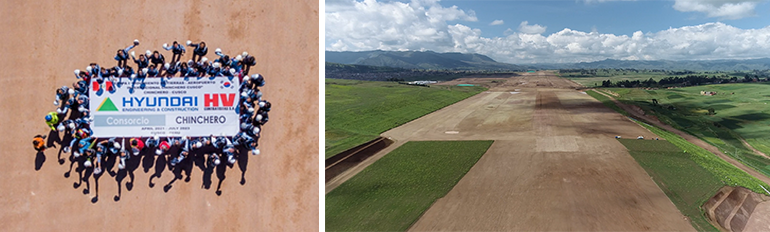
(243, 163)
(39, 160)
(160, 165)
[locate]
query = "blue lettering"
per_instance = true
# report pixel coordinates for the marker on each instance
(130, 102)
(139, 101)
(187, 101)
(154, 102)
(160, 100)
(175, 101)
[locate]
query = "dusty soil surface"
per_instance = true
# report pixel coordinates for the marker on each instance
(44, 41)
(554, 165)
(760, 218)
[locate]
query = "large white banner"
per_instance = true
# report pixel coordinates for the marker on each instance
(163, 107)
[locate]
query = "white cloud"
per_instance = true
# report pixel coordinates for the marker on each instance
(525, 28)
(497, 22)
(372, 25)
(726, 9)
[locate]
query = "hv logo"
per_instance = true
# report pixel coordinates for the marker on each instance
(226, 99)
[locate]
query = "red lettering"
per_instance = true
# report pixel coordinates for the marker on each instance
(210, 100)
(95, 86)
(227, 99)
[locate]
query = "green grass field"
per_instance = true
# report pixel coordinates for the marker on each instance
(392, 193)
(687, 184)
(724, 171)
(358, 111)
(741, 112)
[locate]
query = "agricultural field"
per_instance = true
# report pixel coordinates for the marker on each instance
(734, 112)
(687, 184)
(358, 111)
(393, 192)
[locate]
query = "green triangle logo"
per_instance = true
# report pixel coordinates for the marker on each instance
(107, 105)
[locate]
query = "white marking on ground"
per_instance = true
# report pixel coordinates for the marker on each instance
(514, 92)
(452, 132)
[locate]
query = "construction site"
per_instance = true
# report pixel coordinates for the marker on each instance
(555, 165)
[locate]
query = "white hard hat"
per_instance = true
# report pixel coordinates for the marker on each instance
(148, 52)
(254, 76)
(136, 41)
(165, 45)
(144, 70)
(133, 75)
(71, 91)
(77, 71)
(232, 70)
(216, 162)
(255, 151)
(216, 64)
(256, 130)
(244, 94)
(238, 57)
(184, 137)
(204, 59)
(88, 68)
(189, 42)
(198, 144)
(71, 125)
(261, 104)
(259, 117)
(61, 127)
(251, 110)
(245, 54)
(218, 50)
(156, 137)
(158, 152)
(167, 65)
(116, 145)
(87, 163)
(120, 72)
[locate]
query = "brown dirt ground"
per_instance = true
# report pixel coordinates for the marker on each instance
(43, 41)
(760, 218)
(554, 165)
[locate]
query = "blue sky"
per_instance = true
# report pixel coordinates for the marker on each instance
(616, 17)
(555, 30)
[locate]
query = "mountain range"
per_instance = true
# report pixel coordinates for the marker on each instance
(421, 60)
(430, 60)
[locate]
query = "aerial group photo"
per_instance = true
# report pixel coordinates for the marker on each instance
(160, 116)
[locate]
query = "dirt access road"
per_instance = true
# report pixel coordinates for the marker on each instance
(555, 164)
(44, 41)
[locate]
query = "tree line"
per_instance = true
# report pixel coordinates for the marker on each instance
(675, 81)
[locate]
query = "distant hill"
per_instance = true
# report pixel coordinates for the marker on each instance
(420, 60)
(430, 60)
(695, 65)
